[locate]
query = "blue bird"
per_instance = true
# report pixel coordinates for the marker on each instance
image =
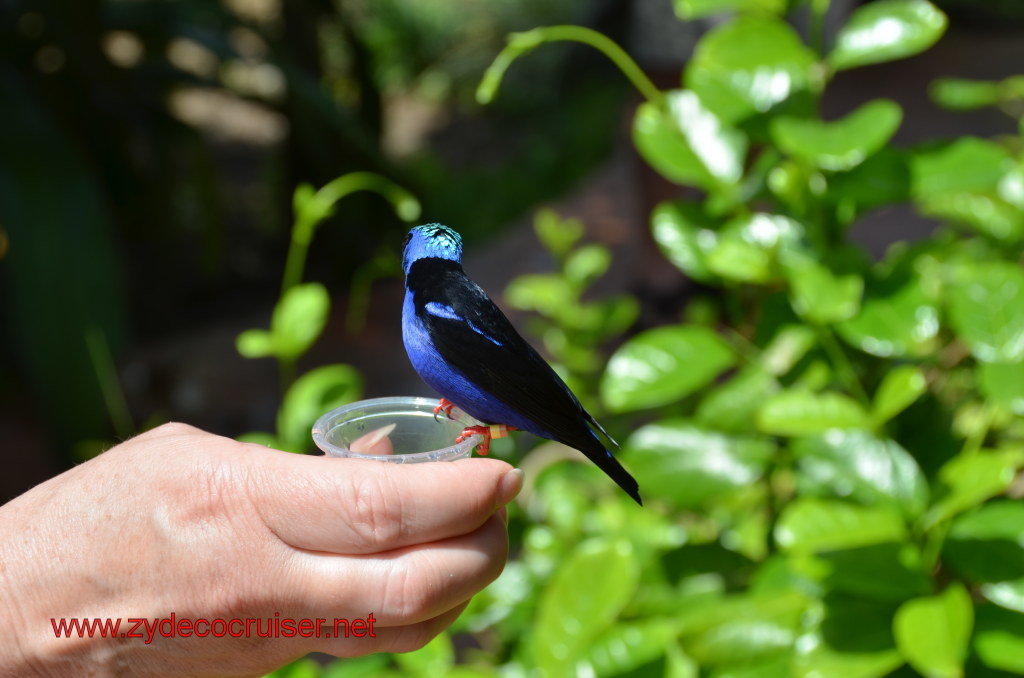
(465, 348)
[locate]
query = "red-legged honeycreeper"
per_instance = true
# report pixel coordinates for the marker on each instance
(465, 348)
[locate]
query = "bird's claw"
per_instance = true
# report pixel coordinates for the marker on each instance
(444, 406)
(488, 432)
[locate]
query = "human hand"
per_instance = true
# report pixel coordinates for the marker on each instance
(181, 521)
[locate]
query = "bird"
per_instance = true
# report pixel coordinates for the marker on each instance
(466, 349)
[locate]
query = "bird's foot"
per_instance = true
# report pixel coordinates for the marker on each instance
(444, 406)
(488, 432)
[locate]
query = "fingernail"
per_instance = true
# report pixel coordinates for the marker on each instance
(511, 483)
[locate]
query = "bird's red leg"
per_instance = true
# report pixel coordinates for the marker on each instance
(444, 406)
(488, 432)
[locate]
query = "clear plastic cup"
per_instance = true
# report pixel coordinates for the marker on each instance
(399, 429)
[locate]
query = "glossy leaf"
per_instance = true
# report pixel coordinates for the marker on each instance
(733, 405)
(1004, 384)
(1008, 594)
(687, 143)
(583, 598)
(999, 639)
(748, 66)
(682, 463)
(684, 237)
(986, 308)
(987, 545)
(883, 572)
(933, 632)
(822, 297)
(662, 365)
(798, 412)
(894, 320)
(899, 388)
(695, 9)
(970, 480)
(299, 318)
(746, 628)
(319, 390)
(629, 645)
(787, 348)
(958, 94)
(854, 640)
(748, 247)
(886, 30)
(841, 144)
(865, 468)
(810, 525)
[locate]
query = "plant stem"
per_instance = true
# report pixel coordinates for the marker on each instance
(319, 206)
(522, 43)
(843, 366)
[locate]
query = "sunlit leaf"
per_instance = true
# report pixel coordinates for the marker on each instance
(587, 263)
(746, 628)
(841, 144)
(933, 632)
(581, 601)
(748, 247)
(987, 545)
(749, 65)
(629, 645)
(299, 318)
(899, 388)
(821, 296)
(682, 232)
(694, 9)
(677, 461)
(999, 639)
(787, 348)
(313, 394)
(986, 308)
(970, 480)
(895, 318)
(733, 405)
(883, 572)
(958, 94)
(868, 469)
(799, 412)
(886, 30)
(810, 525)
(854, 640)
(662, 365)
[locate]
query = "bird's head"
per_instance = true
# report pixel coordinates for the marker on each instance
(431, 240)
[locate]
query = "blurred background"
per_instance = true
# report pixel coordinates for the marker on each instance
(149, 150)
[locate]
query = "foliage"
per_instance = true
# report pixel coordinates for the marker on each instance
(301, 313)
(830, 460)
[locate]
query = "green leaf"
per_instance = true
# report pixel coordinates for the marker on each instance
(695, 9)
(689, 466)
(662, 365)
(557, 235)
(820, 296)
(746, 628)
(787, 348)
(933, 632)
(887, 30)
(749, 66)
(584, 265)
(582, 600)
(986, 308)
(958, 94)
(899, 388)
(1003, 383)
(810, 525)
(987, 545)
(545, 293)
(1008, 594)
(799, 412)
(854, 640)
(896, 318)
(299, 318)
(628, 646)
(884, 572)
(255, 344)
(749, 246)
(961, 181)
(687, 143)
(867, 469)
(314, 393)
(436, 658)
(733, 405)
(999, 639)
(684, 236)
(970, 479)
(841, 144)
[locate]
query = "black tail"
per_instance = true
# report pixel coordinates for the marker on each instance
(597, 453)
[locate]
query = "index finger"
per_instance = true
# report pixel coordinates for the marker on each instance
(351, 506)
